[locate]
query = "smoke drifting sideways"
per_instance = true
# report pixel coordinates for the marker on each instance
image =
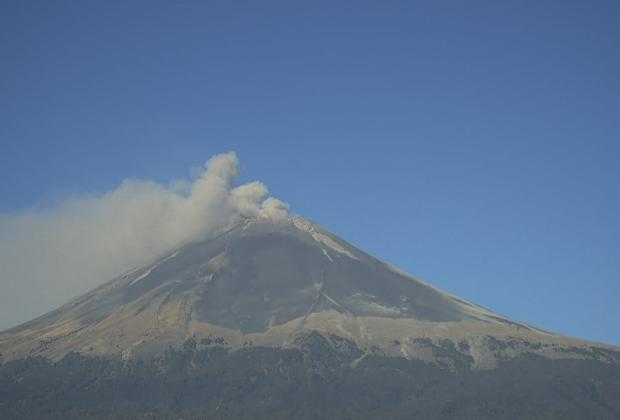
(48, 257)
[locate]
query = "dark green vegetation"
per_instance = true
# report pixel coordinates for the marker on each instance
(318, 379)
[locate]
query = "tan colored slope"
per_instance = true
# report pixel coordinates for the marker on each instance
(262, 283)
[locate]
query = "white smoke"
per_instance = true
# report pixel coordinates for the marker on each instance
(48, 257)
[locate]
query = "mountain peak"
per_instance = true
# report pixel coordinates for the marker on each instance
(266, 281)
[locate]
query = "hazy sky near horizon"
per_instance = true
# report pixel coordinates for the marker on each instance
(473, 144)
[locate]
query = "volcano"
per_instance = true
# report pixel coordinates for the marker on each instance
(267, 282)
(288, 286)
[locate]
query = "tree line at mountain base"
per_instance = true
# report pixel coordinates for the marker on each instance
(315, 380)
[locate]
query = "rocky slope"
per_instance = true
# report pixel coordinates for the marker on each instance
(266, 283)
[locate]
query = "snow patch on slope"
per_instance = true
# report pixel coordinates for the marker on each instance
(142, 276)
(320, 237)
(368, 303)
(150, 269)
(327, 254)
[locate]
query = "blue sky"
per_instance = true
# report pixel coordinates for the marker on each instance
(474, 144)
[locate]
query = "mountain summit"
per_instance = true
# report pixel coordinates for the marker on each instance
(277, 318)
(270, 282)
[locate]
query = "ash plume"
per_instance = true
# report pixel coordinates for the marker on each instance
(48, 257)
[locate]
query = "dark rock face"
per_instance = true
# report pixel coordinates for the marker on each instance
(319, 379)
(265, 282)
(286, 320)
(273, 273)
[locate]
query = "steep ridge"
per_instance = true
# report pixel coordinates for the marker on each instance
(264, 282)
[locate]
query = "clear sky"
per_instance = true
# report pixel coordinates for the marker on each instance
(474, 144)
